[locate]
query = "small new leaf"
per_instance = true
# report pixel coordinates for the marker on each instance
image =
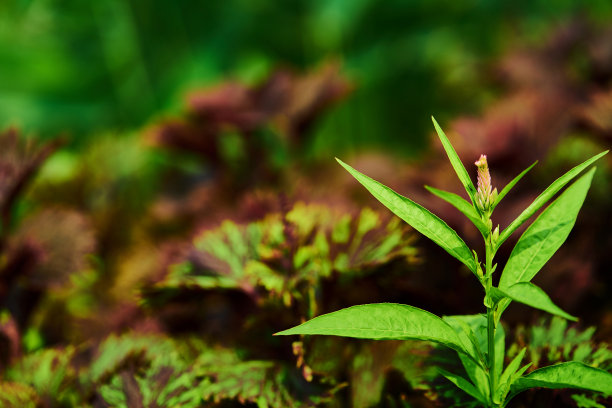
(505, 381)
(511, 184)
(466, 208)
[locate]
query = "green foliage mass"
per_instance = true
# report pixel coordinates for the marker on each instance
(288, 255)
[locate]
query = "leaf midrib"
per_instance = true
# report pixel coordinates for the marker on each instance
(397, 332)
(539, 246)
(524, 270)
(425, 226)
(467, 260)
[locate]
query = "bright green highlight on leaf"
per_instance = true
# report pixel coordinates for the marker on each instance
(382, 321)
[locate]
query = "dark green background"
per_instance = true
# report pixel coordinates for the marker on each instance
(81, 67)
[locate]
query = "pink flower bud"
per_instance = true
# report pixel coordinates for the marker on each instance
(485, 196)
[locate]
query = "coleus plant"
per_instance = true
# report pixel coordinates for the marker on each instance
(479, 339)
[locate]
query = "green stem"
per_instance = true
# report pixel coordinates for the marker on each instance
(490, 320)
(491, 353)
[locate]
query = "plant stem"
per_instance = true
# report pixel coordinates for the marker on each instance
(490, 321)
(491, 352)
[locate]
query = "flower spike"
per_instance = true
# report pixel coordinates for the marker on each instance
(485, 195)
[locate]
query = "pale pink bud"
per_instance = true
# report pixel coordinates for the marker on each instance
(485, 196)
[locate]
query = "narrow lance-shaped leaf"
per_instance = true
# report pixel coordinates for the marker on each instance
(478, 326)
(455, 161)
(382, 321)
(475, 372)
(464, 385)
(518, 374)
(547, 233)
(544, 197)
(500, 349)
(466, 208)
(565, 375)
(505, 380)
(466, 335)
(532, 295)
(511, 184)
(418, 217)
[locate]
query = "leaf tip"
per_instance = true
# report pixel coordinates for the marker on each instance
(435, 122)
(343, 164)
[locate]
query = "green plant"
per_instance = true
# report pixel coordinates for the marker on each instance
(299, 258)
(479, 340)
(285, 256)
(552, 342)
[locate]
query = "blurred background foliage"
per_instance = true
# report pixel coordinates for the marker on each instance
(74, 67)
(167, 189)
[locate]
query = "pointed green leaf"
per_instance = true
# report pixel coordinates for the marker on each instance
(565, 375)
(464, 385)
(478, 326)
(520, 372)
(532, 295)
(465, 207)
(466, 335)
(418, 217)
(455, 161)
(511, 184)
(502, 304)
(500, 349)
(547, 233)
(382, 321)
(513, 367)
(545, 196)
(505, 381)
(475, 372)
(513, 378)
